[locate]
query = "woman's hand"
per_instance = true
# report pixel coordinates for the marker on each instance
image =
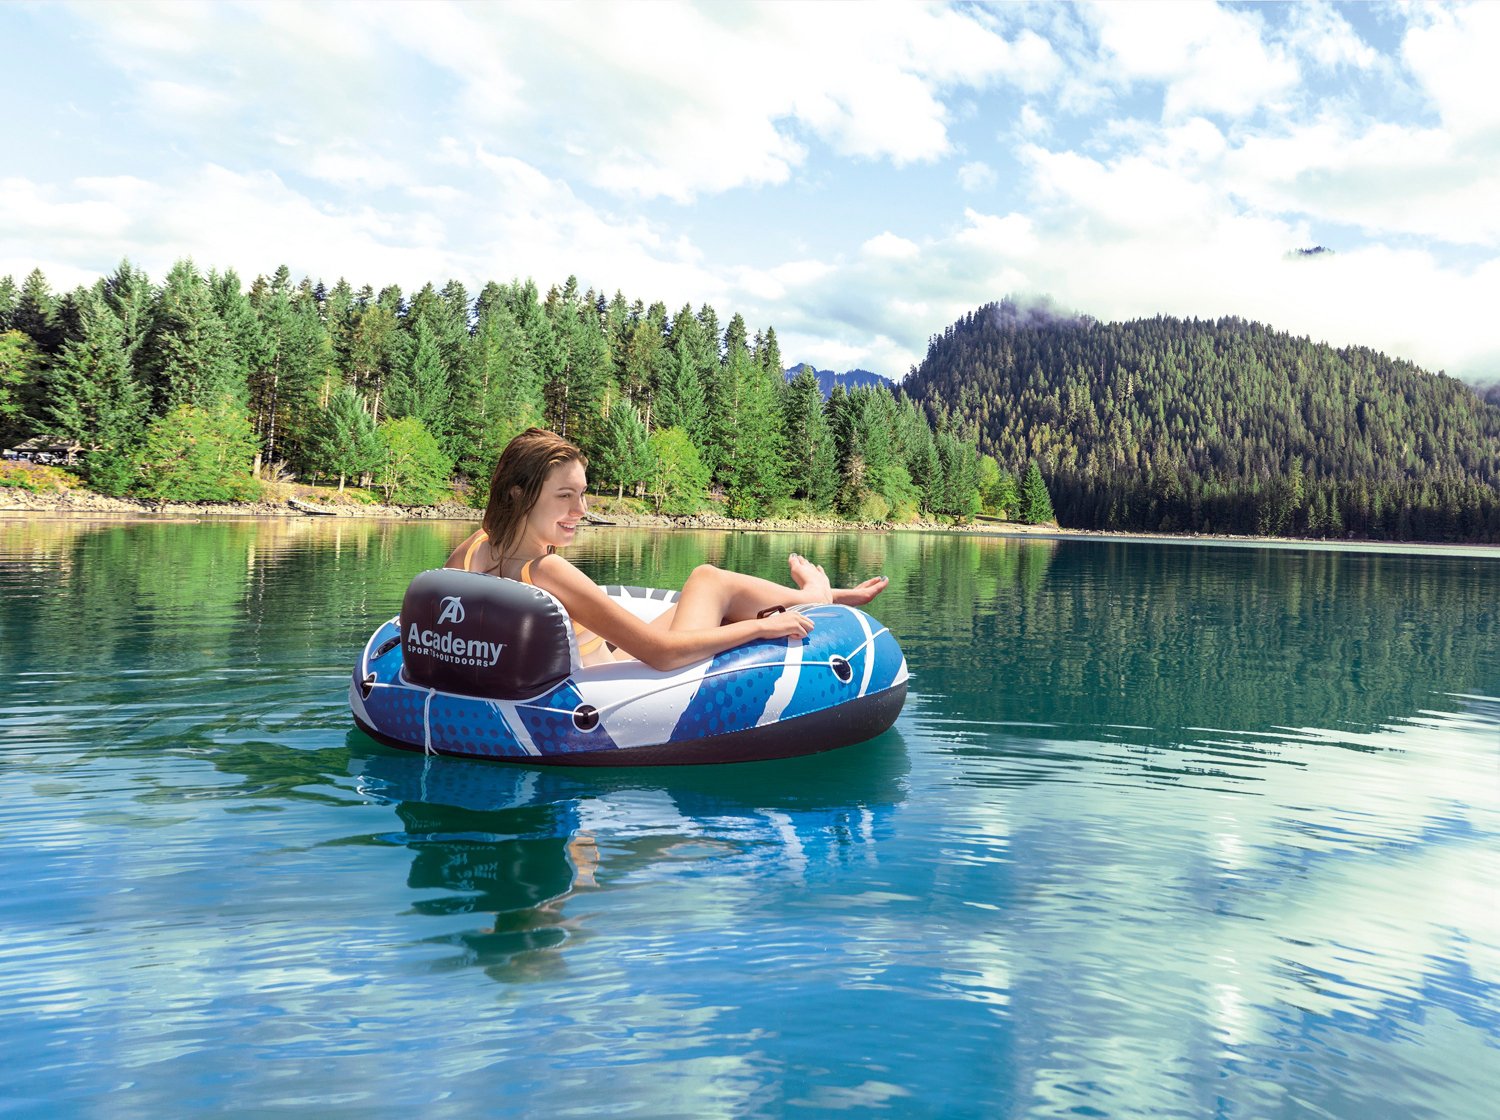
(785, 624)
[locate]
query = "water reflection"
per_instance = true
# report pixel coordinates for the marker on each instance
(521, 844)
(1336, 911)
(1200, 656)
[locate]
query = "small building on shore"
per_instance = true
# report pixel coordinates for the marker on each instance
(46, 450)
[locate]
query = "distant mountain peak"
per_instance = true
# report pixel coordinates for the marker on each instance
(849, 379)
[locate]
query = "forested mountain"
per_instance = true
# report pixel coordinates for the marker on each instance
(849, 380)
(1223, 426)
(199, 388)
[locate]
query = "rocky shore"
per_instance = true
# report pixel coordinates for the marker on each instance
(85, 503)
(81, 503)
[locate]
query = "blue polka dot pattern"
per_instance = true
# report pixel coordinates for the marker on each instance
(554, 731)
(734, 692)
(836, 632)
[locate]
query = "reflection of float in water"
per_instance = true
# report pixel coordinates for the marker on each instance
(519, 844)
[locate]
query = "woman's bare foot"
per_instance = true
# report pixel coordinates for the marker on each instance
(811, 578)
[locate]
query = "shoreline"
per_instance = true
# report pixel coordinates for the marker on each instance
(25, 505)
(77, 505)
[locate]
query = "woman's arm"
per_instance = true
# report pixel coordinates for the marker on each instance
(662, 649)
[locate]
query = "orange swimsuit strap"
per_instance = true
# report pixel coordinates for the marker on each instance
(584, 647)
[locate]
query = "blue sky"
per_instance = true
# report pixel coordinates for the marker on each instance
(855, 175)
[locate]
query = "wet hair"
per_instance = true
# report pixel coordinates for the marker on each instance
(523, 465)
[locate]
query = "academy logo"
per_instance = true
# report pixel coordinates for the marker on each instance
(456, 651)
(453, 610)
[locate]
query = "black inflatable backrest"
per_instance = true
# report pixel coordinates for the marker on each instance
(484, 636)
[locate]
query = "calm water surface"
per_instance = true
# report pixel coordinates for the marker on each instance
(1164, 830)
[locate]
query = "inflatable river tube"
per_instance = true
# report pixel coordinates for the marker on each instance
(480, 667)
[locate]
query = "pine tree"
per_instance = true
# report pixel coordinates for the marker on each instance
(291, 371)
(9, 296)
(542, 342)
(336, 311)
(344, 440)
(680, 402)
(692, 362)
(246, 346)
(68, 316)
(576, 387)
(768, 353)
(812, 468)
(748, 437)
(623, 457)
(499, 391)
(127, 292)
(371, 334)
(187, 352)
(97, 400)
(645, 357)
(35, 314)
(1036, 504)
(452, 326)
(419, 388)
(736, 340)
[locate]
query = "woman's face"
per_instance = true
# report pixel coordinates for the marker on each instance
(559, 507)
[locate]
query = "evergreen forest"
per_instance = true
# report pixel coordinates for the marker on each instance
(200, 389)
(1185, 425)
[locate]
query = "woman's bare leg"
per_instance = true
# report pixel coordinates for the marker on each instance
(713, 596)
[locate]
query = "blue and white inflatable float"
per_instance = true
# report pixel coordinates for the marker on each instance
(481, 667)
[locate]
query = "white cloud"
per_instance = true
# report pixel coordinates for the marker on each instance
(231, 74)
(182, 100)
(702, 99)
(976, 176)
(1007, 237)
(1210, 59)
(222, 219)
(1388, 179)
(520, 221)
(150, 27)
(349, 166)
(1134, 194)
(35, 213)
(1324, 35)
(1031, 122)
(890, 247)
(1452, 53)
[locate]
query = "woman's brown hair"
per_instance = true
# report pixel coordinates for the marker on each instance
(523, 466)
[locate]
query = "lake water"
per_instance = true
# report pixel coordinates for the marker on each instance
(1165, 829)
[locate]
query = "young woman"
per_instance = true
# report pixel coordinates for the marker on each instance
(537, 499)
